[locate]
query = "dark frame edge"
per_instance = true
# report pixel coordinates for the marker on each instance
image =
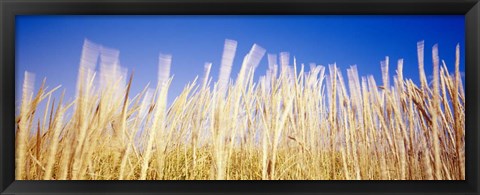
(240, 7)
(2, 151)
(472, 30)
(7, 76)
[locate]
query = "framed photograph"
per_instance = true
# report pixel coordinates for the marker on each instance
(261, 97)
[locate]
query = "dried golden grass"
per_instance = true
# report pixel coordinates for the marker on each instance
(290, 125)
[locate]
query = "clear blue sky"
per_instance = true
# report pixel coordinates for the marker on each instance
(50, 46)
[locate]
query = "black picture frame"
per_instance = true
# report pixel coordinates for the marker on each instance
(10, 8)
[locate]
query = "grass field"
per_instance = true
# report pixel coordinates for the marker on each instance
(288, 125)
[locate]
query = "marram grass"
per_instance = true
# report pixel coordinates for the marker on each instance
(288, 125)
